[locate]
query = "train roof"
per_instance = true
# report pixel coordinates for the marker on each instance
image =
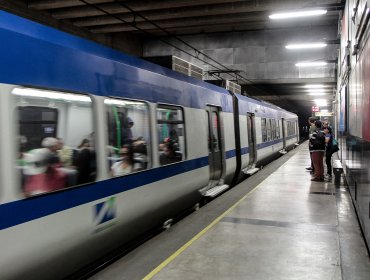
(262, 103)
(28, 36)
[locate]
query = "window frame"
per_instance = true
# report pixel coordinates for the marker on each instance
(264, 130)
(183, 122)
(15, 116)
(150, 132)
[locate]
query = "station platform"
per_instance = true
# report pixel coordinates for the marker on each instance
(276, 224)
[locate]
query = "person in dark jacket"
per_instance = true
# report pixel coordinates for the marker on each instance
(311, 122)
(328, 151)
(85, 163)
(169, 155)
(317, 149)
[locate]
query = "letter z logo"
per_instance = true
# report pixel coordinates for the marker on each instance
(105, 211)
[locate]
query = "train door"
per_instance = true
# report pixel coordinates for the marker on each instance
(284, 132)
(215, 152)
(251, 139)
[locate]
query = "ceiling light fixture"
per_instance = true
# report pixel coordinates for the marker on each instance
(305, 46)
(298, 14)
(308, 64)
(316, 93)
(314, 86)
(318, 90)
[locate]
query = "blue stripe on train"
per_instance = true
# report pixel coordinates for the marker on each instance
(18, 212)
(25, 210)
(232, 153)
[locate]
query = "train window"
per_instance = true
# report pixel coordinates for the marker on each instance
(278, 129)
(128, 136)
(264, 130)
(291, 128)
(273, 129)
(55, 140)
(268, 125)
(209, 136)
(215, 133)
(171, 136)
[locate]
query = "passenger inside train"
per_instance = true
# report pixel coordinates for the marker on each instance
(169, 152)
(42, 173)
(85, 163)
(125, 165)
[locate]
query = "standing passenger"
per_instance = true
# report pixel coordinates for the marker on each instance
(311, 122)
(328, 150)
(127, 135)
(83, 162)
(317, 149)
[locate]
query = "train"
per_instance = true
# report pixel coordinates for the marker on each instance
(98, 147)
(352, 119)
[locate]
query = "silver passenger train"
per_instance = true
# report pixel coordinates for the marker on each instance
(98, 147)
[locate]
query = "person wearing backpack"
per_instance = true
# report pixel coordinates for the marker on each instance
(317, 149)
(328, 151)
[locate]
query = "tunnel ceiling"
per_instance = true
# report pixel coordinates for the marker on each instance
(126, 24)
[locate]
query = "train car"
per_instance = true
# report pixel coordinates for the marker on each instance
(266, 131)
(99, 147)
(352, 110)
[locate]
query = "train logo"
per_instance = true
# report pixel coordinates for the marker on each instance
(105, 211)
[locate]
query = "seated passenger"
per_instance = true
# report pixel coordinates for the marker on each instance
(52, 144)
(124, 166)
(42, 174)
(139, 150)
(169, 155)
(65, 154)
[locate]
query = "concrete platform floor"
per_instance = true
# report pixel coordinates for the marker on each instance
(283, 227)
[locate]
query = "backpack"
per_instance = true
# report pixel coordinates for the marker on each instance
(335, 146)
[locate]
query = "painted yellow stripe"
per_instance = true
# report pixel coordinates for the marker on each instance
(184, 247)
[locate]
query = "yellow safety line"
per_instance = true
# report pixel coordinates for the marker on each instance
(184, 247)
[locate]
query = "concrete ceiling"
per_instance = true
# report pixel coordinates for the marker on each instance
(135, 25)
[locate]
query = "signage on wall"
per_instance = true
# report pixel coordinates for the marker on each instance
(324, 114)
(315, 109)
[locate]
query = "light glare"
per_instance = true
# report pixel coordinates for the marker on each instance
(298, 14)
(316, 93)
(308, 64)
(50, 94)
(314, 86)
(306, 46)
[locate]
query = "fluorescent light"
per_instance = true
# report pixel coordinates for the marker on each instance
(308, 64)
(27, 92)
(321, 102)
(316, 93)
(318, 90)
(120, 102)
(306, 46)
(115, 102)
(314, 86)
(298, 14)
